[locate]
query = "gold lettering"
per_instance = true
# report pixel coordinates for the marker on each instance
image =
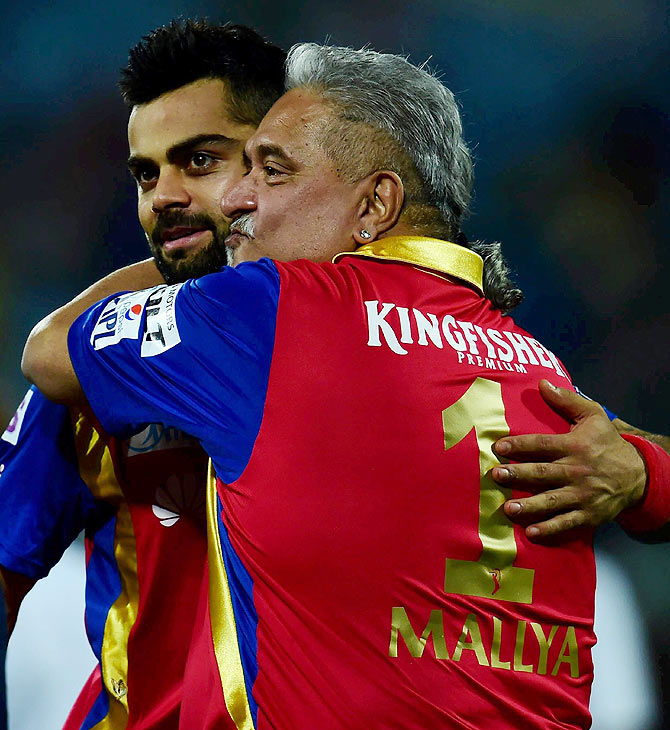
(471, 628)
(495, 646)
(435, 627)
(545, 645)
(519, 666)
(493, 574)
(569, 643)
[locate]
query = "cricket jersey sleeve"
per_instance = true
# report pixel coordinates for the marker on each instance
(44, 503)
(195, 356)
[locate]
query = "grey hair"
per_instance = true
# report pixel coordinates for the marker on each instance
(498, 286)
(407, 104)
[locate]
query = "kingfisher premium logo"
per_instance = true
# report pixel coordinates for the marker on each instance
(397, 327)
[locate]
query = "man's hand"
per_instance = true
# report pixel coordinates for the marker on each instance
(583, 478)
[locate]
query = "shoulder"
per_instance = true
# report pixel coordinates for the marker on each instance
(232, 282)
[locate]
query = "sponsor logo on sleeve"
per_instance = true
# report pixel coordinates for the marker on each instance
(158, 437)
(120, 319)
(12, 431)
(161, 331)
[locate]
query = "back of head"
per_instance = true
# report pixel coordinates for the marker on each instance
(186, 51)
(390, 114)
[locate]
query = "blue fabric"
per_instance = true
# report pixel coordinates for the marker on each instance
(246, 619)
(3, 648)
(44, 502)
(101, 595)
(197, 359)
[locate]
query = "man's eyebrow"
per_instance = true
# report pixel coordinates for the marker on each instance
(134, 162)
(199, 139)
(273, 150)
(186, 145)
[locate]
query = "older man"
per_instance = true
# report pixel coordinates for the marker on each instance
(333, 398)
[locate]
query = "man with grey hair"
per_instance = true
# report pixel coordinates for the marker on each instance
(351, 585)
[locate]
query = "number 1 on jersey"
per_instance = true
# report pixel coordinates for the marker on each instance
(494, 575)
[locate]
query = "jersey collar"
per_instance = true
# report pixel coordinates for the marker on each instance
(429, 253)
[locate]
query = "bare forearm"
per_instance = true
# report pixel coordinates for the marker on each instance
(623, 427)
(46, 360)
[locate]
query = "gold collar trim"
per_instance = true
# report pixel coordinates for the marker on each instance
(430, 253)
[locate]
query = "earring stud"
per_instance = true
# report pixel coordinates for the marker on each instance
(366, 235)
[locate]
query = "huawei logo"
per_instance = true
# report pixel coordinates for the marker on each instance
(180, 496)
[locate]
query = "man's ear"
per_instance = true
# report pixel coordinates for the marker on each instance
(382, 196)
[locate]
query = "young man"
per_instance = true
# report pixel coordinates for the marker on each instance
(333, 398)
(196, 93)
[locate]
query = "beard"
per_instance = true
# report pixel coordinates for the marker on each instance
(188, 264)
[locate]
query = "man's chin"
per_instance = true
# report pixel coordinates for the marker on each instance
(183, 264)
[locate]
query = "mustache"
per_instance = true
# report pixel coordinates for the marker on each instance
(244, 224)
(176, 218)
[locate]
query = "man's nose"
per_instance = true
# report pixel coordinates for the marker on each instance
(170, 191)
(239, 197)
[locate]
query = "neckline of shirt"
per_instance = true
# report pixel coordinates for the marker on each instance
(429, 253)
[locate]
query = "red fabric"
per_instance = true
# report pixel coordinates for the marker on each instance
(654, 509)
(350, 506)
(202, 695)
(84, 702)
(170, 564)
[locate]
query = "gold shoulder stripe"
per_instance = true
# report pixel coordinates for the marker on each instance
(224, 628)
(430, 253)
(96, 468)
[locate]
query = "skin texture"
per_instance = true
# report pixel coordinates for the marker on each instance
(297, 202)
(623, 427)
(583, 478)
(184, 152)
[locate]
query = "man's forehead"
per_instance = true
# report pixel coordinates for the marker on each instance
(201, 107)
(294, 122)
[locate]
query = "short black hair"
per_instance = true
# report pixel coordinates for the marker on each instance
(188, 50)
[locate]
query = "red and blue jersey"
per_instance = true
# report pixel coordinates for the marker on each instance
(141, 504)
(361, 570)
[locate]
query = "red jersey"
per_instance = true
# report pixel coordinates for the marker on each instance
(362, 572)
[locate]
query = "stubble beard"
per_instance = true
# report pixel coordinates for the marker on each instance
(182, 265)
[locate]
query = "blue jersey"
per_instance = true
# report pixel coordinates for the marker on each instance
(45, 502)
(141, 504)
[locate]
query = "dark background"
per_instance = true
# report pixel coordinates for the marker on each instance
(567, 108)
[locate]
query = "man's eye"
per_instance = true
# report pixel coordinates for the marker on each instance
(200, 161)
(271, 171)
(144, 175)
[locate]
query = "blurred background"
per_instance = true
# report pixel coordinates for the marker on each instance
(567, 107)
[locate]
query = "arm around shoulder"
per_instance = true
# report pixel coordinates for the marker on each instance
(46, 358)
